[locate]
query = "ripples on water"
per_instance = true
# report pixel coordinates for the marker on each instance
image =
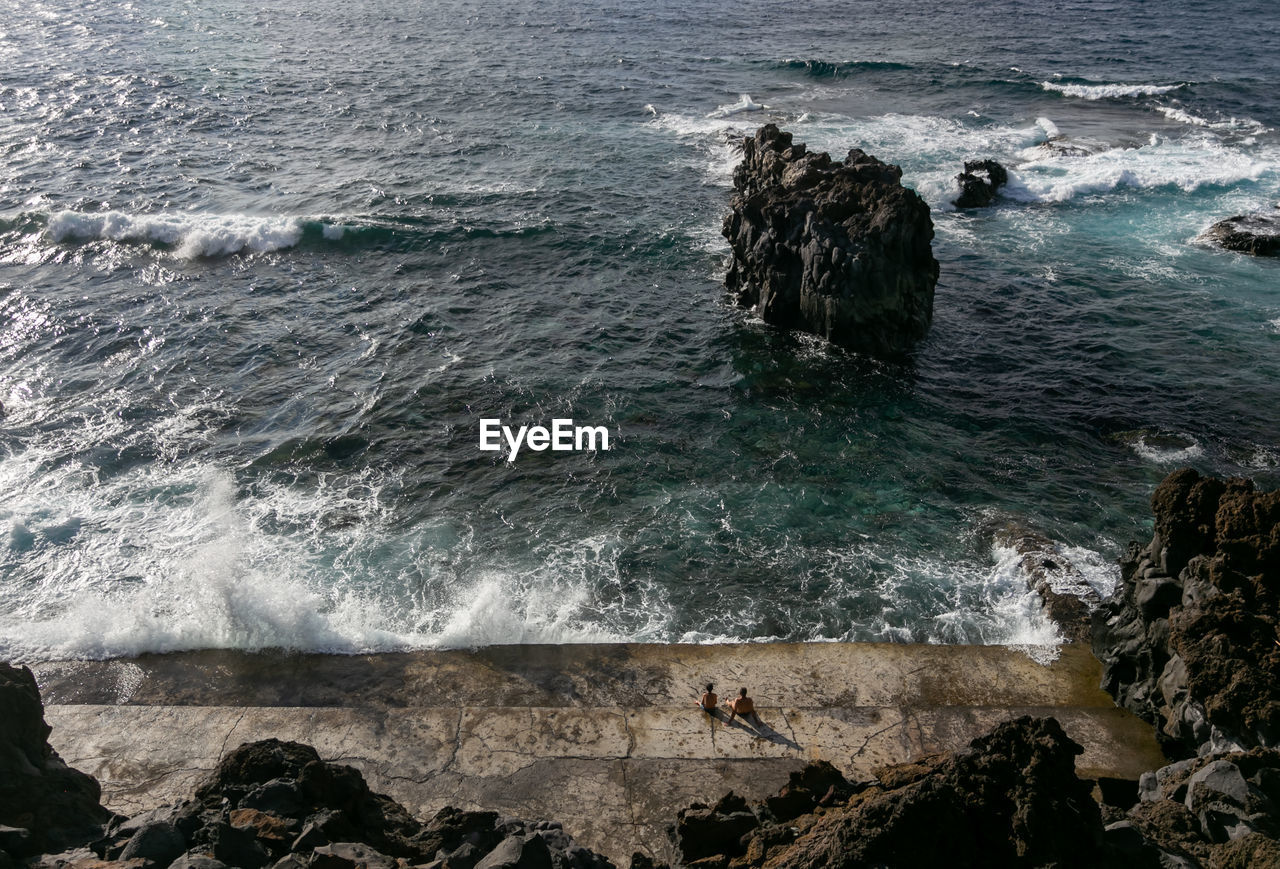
(263, 270)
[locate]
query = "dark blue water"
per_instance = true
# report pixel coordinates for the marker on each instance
(263, 271)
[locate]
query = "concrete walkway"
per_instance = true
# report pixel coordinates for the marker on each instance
(604, 738)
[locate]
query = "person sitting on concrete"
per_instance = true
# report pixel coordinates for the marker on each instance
(744, 706)
(708, 701)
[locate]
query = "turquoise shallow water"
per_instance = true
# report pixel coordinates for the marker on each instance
(262, 272)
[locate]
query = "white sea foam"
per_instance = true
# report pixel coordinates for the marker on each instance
(1186, 164)
(499, 610)
(1182, 449)
(744, 104)
(1242, 125)
(1006, 610)
(191, 235)
(714, 139)
(1109, 91)
(177, 554)
(1049, 127)
(206, 572)
(1184, 117)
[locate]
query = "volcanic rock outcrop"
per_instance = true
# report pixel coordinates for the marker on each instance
(1257, 234)
(1011, 800)
(277, 804)
(45, 805)
(979, 183)
(1189, 639)
(840, 249)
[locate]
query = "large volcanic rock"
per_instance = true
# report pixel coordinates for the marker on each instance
(1258, 234)
(1012, 799)
(1189, 639)
(839, 249)
(46, 804)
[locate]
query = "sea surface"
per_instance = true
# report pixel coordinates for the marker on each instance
(264, 268)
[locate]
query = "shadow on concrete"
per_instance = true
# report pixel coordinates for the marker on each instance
(755, 726)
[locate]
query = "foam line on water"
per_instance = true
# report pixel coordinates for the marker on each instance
(191, 235)
(1241, 125)
(1109, 91)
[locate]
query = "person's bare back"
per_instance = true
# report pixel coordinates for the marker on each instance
(744, 706)
(708, 701)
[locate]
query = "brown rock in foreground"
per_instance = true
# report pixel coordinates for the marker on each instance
(277, 803)
(1011, 800)
(840, 249)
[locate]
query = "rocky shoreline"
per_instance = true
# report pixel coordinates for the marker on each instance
(1188, 641)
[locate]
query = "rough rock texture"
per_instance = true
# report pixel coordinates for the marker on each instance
(1013, 799)
(979, 183)
(277, 804)
(1068, 598)
(840, 249)
(1061, 146)
(1189, 639)
(45, 805)
(1222, 810)
(1258, 234)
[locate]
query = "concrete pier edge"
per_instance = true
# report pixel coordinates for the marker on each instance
(604, 738)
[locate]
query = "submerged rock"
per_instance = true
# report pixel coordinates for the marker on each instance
(1068, 597)
(1257, 234)
(1189, 639)
(1061, 146)
(840, 249)
(45, 805)
(979, 182)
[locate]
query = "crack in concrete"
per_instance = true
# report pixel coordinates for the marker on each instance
(631, 736)
(909, 715)
(628, 796)
(457, 743)
(223, 750)
(867, 741)
(790, 729)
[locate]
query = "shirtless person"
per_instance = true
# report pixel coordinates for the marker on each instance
(744, 706)
(707, 702)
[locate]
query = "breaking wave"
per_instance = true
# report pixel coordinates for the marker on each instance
(838, 69)
(192, 236)
(1110, 91)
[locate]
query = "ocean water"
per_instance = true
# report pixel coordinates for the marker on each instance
(263, 270)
